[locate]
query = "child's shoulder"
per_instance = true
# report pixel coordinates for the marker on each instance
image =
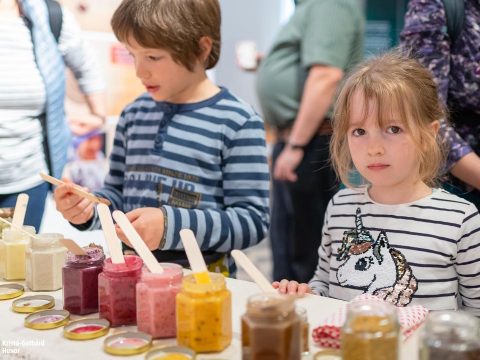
(443, 198)
(143, 102)
(228, 101)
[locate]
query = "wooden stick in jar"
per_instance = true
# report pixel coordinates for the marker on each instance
(76, 189)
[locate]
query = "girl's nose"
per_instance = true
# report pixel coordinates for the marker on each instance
(376, 147)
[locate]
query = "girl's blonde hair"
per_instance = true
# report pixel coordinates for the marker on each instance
(399, 85)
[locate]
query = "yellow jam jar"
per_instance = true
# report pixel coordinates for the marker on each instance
(204, 314)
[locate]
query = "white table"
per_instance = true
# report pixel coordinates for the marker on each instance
(50, 344)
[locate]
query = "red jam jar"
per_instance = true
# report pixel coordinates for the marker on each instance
(116, 290)
(156, 295)
(80, 280)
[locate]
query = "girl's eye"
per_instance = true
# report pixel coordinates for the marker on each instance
(394, 130)
(358, 132)
(154, 58)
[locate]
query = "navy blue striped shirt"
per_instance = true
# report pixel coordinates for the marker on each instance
(424, 252)
(204, 163)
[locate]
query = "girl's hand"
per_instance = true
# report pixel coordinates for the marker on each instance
(73, 207)
(149, 224)
(292, 287)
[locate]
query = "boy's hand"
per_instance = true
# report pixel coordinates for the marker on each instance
(291, 287)
(149, 224)
(73, 207)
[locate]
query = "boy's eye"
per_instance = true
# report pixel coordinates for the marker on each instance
(154, 58)
(358, 132)
(394, 130)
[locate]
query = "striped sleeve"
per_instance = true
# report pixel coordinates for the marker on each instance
(468, 261)
(320, 281)
(242, 221)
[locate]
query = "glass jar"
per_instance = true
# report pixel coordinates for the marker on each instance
(80, 280)
(370, 332)
(204, 314)
(16, 243)
(302, 315)
(156, 295)
(271, 328)
(5, 213)
(116, 290)
(45, 257)
(450, 335)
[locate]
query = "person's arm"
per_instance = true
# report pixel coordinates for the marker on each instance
(318, 94)
(467, 264)
(467, 169)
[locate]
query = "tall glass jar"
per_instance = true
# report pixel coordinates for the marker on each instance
(204, 314)
(156, 295)
(450, 335)
(116, 290)
(5, 213)
(16, 243)
(80, 280)
(371, 331)
(44, 261)
(271, 328)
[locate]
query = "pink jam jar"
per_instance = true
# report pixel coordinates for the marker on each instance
(116, 291)
(156, 295)
(80, 281)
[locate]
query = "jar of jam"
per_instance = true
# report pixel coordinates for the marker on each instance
(271, 328)
(44, 261)
(371, 331)
(116, 290)
(204, 314)
(450, 335)
(156, 294)
(80, 280)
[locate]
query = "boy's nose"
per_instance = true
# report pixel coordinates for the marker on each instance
(141, 72)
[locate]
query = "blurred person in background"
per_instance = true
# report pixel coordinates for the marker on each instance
(297, 83)
(449, 48)
(34, 134)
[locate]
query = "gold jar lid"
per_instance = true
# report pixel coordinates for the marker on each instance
(10, 291)
(170, 353)
(86, 329)
(30, 304)
(127, 343)
(327, 355)
(47, 319)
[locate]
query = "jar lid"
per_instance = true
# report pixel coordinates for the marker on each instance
(170, 353)
(47, 319)
(29, 304)
(327, 355)
(127, 343)
(10, 291)
(86, 329)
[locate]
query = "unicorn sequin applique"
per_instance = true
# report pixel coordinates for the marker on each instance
(374, 265)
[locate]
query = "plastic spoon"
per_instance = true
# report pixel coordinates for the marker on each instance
(195, 257)
(20, 210)
(113, 243)
(137, 242)
(244, 262)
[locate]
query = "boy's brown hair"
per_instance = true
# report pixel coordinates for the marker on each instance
(174, 25)
(398, 84)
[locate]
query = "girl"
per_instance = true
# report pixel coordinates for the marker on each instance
(396, 236)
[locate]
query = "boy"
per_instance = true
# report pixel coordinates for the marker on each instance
(187, 154)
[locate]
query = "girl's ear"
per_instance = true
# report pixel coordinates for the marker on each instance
(435, 126)
(206, 46)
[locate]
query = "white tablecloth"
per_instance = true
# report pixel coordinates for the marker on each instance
(50, 344)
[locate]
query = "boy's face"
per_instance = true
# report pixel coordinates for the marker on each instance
(163, 78)
(385, 154)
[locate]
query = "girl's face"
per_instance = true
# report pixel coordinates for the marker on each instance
(385, 155)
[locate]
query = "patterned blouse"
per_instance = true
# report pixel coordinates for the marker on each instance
(455, 67)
